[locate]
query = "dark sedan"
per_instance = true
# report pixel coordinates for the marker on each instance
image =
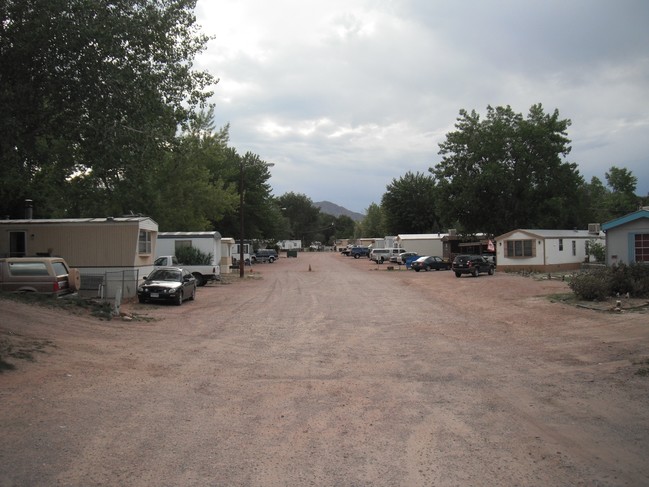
(430, 262)
(168, 284)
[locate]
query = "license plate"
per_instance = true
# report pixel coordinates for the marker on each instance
(155, 295)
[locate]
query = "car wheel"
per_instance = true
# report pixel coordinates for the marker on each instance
(271, 259)
(179, 298)
(458, 274)
(491, 271)
(200, 280)
(357, 256)
(417, 269)
(141, 299)
(192, 296)
(475, 272)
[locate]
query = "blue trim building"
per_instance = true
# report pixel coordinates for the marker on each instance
(627, 238)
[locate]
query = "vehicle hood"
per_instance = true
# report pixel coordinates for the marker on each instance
(160, 285)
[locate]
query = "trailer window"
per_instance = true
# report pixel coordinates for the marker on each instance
(144, 242)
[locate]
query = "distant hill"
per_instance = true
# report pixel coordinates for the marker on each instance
(332, 209)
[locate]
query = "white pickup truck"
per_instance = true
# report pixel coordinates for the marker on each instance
(202, 273)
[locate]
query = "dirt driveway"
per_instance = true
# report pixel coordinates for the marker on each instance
(329, 371)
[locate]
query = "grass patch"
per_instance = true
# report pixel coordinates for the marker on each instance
(642, 371)
(567, 298)
(18, 347)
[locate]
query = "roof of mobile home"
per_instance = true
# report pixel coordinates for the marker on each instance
(213, 234)
(77, 221)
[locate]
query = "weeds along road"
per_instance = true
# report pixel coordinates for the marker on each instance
(345, 374)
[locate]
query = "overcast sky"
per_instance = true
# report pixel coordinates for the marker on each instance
(344, 96)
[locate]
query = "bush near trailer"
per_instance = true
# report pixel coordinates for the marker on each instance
(620, 279)
(193, 256)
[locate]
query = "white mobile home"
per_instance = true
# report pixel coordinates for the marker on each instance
(290, 244)
(423, 243)
(207, 242)
(545, 250)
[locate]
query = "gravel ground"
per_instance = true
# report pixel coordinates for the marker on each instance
(329, 371)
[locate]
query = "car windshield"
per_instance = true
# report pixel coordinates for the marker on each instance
(165, 275)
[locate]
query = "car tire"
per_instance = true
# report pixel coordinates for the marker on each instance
(141, 299)
(200, 280)
(271, 260)
(475, 272)
(417, 269)
(179, 299)
(192, 296)
(491, 271)
(458, 274)
(357, 256)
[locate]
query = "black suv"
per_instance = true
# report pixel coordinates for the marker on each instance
(264, 255)
(472, 264)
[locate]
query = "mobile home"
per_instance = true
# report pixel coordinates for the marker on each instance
(101, 248)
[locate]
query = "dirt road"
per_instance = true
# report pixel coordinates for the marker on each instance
(342, 375)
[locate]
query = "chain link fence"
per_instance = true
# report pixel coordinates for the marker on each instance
(110, 285)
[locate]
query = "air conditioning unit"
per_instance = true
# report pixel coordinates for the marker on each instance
(594, 228)
(452, 232)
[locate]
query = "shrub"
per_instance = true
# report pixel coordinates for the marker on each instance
(193, 256)
(592, 285)
(632, 279)
(599, 284)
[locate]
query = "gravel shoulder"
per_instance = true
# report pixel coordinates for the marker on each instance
(326, 370)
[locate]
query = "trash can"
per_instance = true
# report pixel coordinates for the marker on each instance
(291, 253)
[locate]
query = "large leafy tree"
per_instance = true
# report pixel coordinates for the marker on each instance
(92, 93)
(343, 227)
(373, 224)
(303, 217)
(247, 174)
(409, 204)
(622, 198)
(508, 171)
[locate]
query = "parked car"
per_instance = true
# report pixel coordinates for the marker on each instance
(46, 275)
(264, 255)
(430, 262)
(359, 251)
(173, 284)
(382, 255)
(402, 257)
(472, 264)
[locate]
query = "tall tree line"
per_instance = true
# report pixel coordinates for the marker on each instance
(92, 95)
(499, 173)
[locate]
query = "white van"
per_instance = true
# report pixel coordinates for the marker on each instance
(383, 255)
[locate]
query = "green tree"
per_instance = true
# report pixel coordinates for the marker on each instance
(248, 174)
(507, 172)
(91, 97)
(303, 217)
(373, 224)
(622, 198)
(344, 227)
(409, 204)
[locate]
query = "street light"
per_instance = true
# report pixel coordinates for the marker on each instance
(242, 165)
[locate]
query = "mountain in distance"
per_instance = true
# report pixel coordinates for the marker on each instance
(335, 210)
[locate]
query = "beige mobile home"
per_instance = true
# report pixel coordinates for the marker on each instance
(95, 246)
